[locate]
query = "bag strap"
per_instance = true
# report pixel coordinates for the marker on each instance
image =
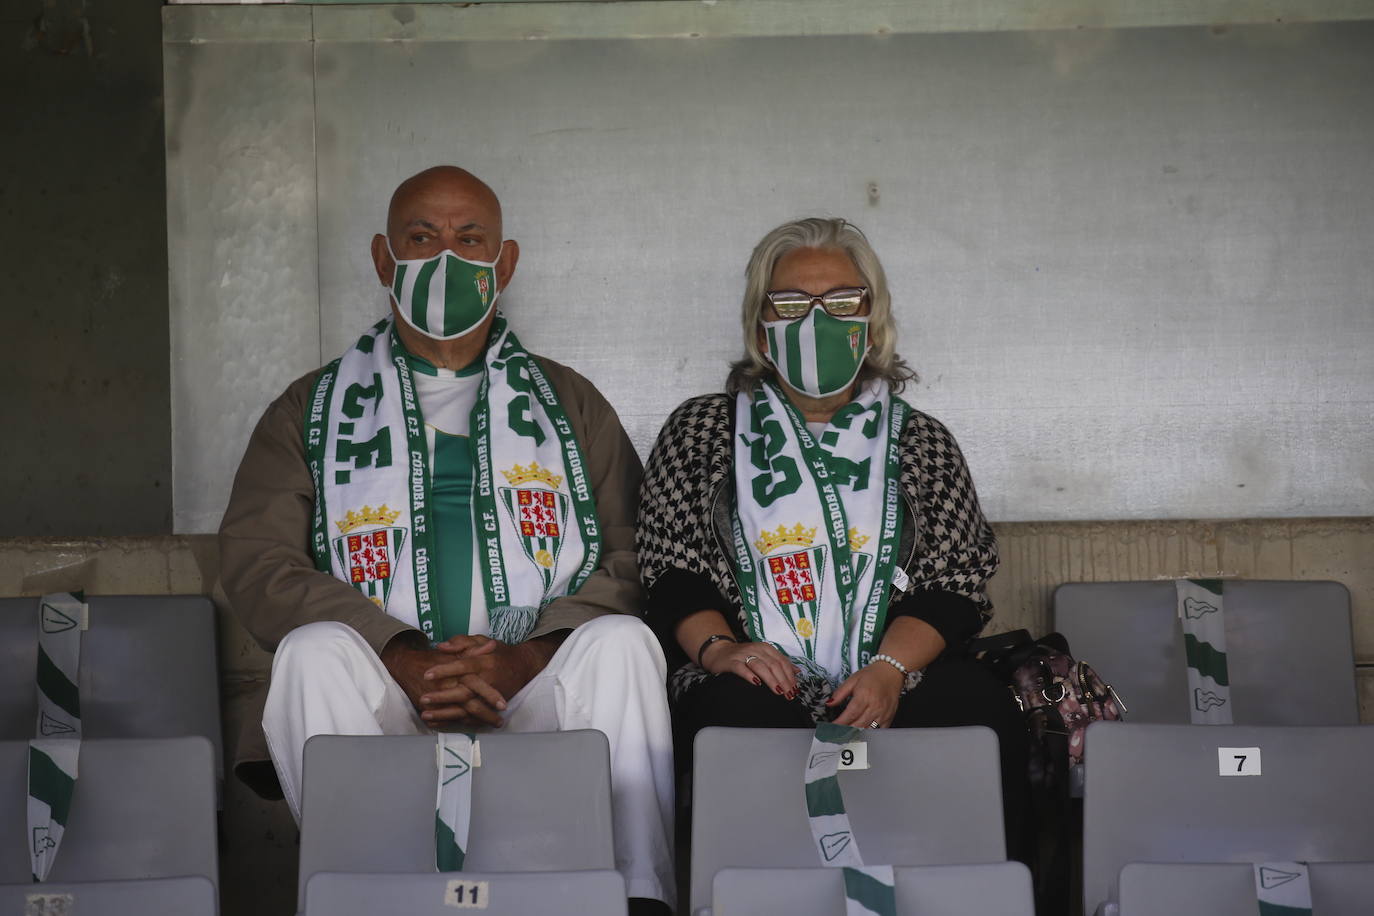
(1005, 652)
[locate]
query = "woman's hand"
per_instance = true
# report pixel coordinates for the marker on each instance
(872, 692)
(758, 662)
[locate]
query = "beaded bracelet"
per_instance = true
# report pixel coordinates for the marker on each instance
(909, 678)
(884, 657)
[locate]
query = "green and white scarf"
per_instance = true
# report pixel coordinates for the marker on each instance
(53, 756)
(1283, 889)
(869, 890)
(805, 512)
(457, 756)
(1202, 616)
(533, 510)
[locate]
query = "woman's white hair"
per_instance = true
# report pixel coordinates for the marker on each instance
(817, 232)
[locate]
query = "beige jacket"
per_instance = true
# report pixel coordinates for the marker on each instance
(268, 574)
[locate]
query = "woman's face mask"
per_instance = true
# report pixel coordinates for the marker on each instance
(444, 296)
(819, 354)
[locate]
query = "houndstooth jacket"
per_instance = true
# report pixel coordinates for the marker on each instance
(687, 500)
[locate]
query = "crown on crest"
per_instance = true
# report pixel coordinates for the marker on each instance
(368, 516)
(799, 535)
(857, 540)
(525, 473)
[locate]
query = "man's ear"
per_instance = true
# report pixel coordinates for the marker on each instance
(505, 267)
(381, 260)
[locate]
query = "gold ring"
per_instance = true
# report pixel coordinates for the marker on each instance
(749, 658)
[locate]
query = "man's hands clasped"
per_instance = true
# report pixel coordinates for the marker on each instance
(463, 681)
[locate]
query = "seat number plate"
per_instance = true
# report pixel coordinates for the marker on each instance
(1238, 761)
(853, 756)
(467, 895)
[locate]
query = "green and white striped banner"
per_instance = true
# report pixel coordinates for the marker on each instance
(1283, 889)
(869, 890)
(457, 755)
(53, 755)
(60, 622)
(52, 780)
(1202, 614)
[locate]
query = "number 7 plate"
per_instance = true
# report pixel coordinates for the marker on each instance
(1238, 761)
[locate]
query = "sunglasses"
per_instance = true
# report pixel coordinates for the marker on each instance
(793, 303)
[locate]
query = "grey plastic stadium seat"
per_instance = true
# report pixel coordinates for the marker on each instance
(540, 802)
(142, 808)
(1290, 655)
(497, 893)
(932, 796)
(1154, 793)
(189, 896)
(1001, 889)
(148, 668)
(1147, 889)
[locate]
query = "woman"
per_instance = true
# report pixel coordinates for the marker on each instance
(812, 547)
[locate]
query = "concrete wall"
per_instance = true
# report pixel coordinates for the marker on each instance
(258, 858)
(86, 417)
(1131, 264)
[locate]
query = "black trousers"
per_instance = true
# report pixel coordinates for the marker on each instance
(956, 690)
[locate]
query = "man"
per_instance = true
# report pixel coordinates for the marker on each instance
(436, 532)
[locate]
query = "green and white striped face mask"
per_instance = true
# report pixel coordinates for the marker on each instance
(445, 296)
(819, 354)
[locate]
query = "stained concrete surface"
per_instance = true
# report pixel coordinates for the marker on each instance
(1038, 557)
(83, 227)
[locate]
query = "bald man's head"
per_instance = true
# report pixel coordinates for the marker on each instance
(444, 183)
(444, 207)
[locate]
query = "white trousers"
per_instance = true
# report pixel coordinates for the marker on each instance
(607, 675)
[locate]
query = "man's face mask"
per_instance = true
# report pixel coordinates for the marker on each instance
(819, 354)
(444, 296)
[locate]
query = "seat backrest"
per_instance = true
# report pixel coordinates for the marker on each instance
(148, 668)
(142, 808)
(494, 893)
(540, 802)
(931, 796)
(1149, 889)
(1289, 650)
(999, 889)
(1156, 793)
(189, 896)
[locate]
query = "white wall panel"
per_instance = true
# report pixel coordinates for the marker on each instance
(1133, 266)
(240, 235)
